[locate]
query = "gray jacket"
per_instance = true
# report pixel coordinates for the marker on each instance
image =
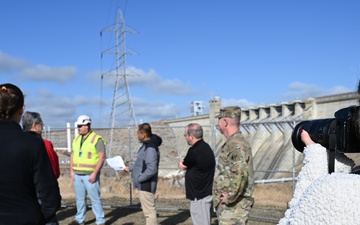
(145, 168)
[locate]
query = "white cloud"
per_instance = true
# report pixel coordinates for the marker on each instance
(153, 111)
(340, 89)
(140, 77)
(243, 103)
(9, 63)
(155, 82)
(27, 71)
(299, 90)
(151, 81)
(58, 110)
(173, 87)
(46, 73)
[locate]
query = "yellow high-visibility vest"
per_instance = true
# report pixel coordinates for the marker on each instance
(85, 156)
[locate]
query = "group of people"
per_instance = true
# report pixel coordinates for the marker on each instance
(30, 192)
(29, 189)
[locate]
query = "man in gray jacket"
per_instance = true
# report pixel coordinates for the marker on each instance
(145, 171)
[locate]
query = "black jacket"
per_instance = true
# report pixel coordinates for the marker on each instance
(25, 170)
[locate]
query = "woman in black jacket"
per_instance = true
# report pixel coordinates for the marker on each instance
(26, 174)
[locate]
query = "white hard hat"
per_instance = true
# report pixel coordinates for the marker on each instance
(83, 120)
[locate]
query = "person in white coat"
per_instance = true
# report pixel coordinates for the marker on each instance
(320, 197)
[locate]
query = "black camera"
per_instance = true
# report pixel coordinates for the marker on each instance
(340, 134)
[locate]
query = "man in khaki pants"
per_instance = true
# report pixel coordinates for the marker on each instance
(145, 171)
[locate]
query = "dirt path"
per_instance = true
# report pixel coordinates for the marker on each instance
(134, 216)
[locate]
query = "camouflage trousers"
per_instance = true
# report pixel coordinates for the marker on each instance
(234, 215)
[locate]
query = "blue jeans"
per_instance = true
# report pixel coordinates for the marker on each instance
(83, 186)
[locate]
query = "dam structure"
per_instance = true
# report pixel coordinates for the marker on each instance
(268, 129)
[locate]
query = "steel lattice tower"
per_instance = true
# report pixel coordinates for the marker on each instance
(122, 110)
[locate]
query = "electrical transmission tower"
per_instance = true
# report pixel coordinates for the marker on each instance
(122, 110)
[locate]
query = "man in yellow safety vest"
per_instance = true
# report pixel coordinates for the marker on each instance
(86, 160)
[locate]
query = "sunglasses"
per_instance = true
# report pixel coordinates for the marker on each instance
(80, 126)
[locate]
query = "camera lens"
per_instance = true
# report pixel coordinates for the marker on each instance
(318, 130)
(339, 134)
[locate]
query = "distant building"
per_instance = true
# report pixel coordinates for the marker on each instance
(196, 108)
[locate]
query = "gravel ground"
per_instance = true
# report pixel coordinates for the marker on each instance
(134, 216)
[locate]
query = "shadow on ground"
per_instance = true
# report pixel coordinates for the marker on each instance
(132, 215)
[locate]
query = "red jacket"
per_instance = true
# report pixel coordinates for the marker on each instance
(54, 159)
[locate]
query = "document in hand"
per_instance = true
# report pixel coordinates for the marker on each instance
(117, 163)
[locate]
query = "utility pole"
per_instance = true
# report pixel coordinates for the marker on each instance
(122, 110)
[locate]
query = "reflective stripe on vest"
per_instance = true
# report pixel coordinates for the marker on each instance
(81, 165)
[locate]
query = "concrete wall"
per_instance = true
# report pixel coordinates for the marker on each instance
(328, 105)
(268, 128)
(311, 108)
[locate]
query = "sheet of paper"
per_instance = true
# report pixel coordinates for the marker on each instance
(117, 163)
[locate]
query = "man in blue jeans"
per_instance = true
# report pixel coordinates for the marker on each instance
(86, 160)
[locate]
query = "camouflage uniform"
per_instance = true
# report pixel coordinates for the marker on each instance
(234, 176)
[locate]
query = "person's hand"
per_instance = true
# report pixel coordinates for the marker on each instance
(224, 198)
(305, 137)
(126, 169)
(92, 178)
(181, 165)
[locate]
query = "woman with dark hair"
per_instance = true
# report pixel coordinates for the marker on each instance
(26, 172)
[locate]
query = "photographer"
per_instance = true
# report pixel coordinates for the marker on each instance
(320, 197)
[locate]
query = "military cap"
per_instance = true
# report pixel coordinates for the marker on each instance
(230, 112)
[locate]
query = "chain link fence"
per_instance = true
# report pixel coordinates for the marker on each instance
(276, 163)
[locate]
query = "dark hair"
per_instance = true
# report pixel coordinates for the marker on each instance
(11, 100)
(146, 129)
(195, 130)
(29, 118)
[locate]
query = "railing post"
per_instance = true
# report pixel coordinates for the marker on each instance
(68, 131)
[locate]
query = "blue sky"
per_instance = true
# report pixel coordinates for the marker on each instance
(245, 52)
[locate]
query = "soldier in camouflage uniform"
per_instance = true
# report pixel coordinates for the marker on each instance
(234, 179)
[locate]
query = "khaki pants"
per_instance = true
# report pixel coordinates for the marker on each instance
(147, 200)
